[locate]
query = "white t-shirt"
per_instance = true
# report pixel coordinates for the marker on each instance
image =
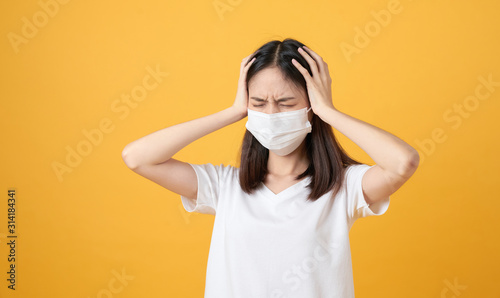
(270, 245)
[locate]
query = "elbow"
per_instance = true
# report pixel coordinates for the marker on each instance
(410, 164)
(128, 158)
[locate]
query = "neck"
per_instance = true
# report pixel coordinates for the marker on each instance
(294, 163)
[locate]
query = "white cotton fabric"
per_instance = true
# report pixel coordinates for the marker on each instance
(270, 245)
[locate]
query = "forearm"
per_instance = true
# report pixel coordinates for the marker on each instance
(161, 145)
(388, 151)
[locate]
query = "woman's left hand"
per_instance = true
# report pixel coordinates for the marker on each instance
(319, 85)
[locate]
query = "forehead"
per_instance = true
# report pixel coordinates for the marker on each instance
(271, 81)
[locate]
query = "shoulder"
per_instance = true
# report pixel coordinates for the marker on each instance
(353, 174)
(230, 171)
(356, 169)
(221, 170)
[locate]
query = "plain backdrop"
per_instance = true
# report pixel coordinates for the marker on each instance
(81, 79)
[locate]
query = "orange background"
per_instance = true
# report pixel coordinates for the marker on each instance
(413, 68)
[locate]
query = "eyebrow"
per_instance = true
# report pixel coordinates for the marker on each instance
(279, 100)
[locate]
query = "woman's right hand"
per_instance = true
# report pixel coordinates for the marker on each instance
(241, 101)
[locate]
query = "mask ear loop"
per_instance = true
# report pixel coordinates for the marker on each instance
(307, 111)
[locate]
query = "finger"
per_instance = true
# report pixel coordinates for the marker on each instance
(328, 76)
(323, 67)
(312, 63)
(303, 71)
(245, 65)
(250, 63)
(244, 70)
(245, 60)
(247, 57)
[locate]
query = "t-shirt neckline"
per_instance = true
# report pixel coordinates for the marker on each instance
(286, 192)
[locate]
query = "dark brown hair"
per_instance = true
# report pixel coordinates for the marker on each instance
(328, 158)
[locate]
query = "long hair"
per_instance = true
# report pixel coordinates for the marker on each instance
(328, 160)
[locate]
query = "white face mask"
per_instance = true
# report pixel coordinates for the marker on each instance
(281, 132)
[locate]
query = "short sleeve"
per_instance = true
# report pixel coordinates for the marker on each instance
(209, 179)
(356, 203)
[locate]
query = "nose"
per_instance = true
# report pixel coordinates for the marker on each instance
(272, 108)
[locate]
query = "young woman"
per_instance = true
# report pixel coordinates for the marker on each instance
(282, 219)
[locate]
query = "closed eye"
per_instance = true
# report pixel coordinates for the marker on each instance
(280, 105)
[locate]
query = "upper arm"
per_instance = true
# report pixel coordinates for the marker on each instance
(176, 176)
(379, 184)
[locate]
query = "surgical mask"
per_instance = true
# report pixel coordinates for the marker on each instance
(281, 132)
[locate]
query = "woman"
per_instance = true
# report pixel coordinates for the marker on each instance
(282, 219)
